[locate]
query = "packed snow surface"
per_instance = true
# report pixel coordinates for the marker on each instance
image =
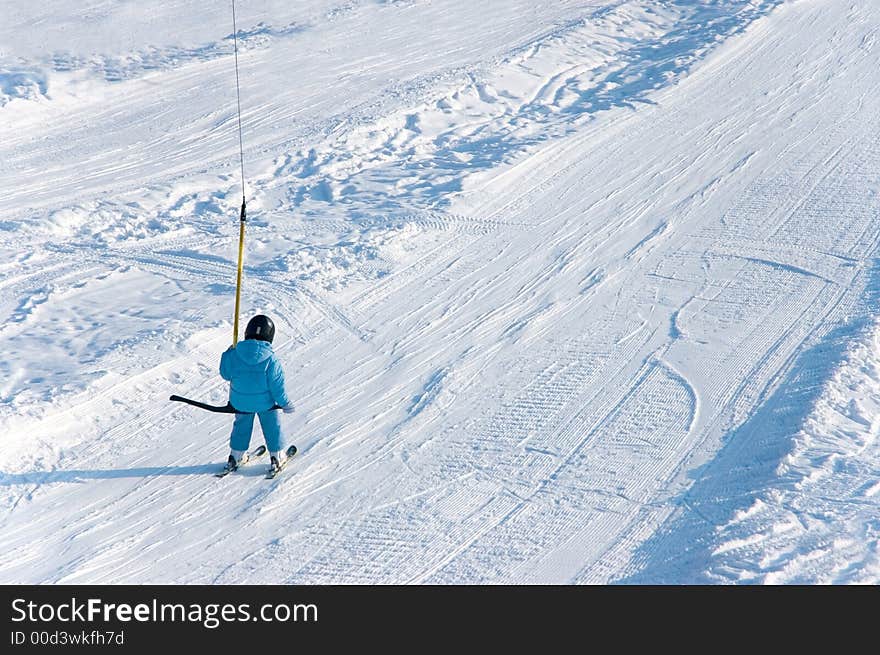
(565, 292)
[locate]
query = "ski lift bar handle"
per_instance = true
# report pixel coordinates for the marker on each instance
(221, 409)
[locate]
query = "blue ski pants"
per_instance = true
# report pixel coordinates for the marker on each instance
(270, 422)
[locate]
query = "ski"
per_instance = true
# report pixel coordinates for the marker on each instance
(291, 451)
(259, 451)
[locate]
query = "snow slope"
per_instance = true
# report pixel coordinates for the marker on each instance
(565, 293)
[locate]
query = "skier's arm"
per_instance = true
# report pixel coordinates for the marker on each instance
(276, 384)
(226, 363)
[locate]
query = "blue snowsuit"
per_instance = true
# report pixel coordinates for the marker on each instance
(257, 384)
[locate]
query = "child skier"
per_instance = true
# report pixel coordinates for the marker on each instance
(256, 387)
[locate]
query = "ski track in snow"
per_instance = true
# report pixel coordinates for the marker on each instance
(583, 297)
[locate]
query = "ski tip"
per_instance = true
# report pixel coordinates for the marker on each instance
(291, 451)
(260, 451)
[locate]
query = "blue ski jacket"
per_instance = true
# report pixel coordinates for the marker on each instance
(256, 377)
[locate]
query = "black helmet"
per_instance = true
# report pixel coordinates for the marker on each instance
(261, 328)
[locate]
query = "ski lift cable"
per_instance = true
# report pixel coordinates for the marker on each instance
(243, 215)
(228, 408)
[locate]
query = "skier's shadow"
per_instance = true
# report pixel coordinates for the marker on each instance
(82, 475)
